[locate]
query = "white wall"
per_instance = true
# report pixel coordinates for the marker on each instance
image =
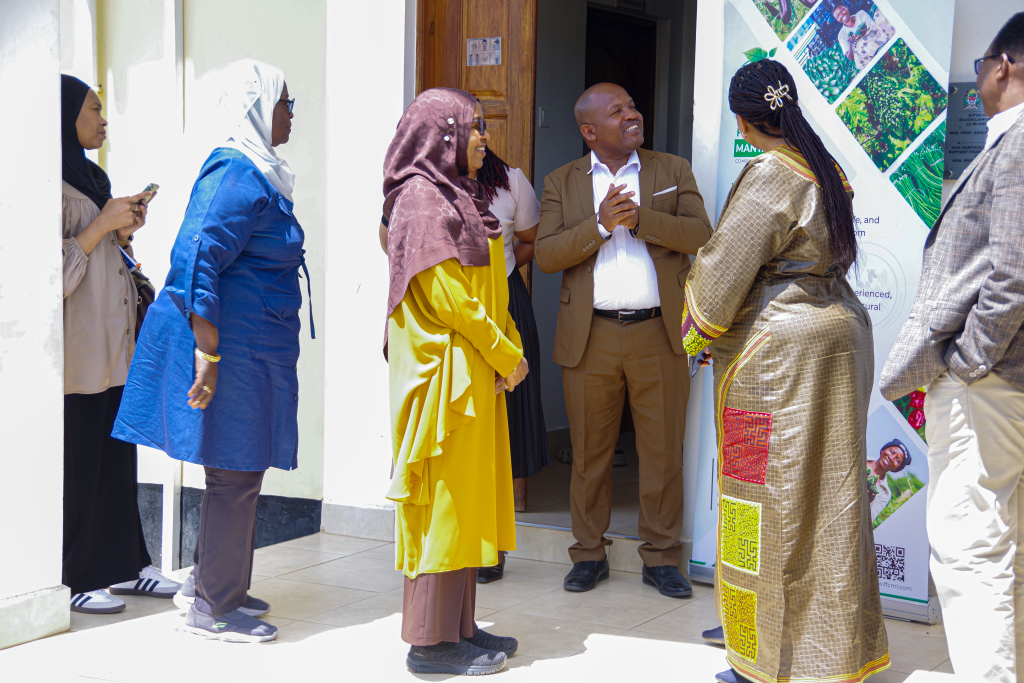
(153, 57)
(366, 94)
(292, 37)
(31, 319)
(78, 39)
(136, 65)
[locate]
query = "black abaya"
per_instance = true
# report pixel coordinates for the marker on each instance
(103, 540)
(528, 436)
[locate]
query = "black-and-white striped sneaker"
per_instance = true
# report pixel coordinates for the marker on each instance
(150, 583)
(96, 602)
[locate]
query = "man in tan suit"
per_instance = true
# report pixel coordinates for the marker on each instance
(623, 266)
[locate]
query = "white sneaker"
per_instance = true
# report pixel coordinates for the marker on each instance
(150, 583)
(96, 602)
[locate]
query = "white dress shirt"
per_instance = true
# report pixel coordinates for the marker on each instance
(1002, 122)
(624, 275)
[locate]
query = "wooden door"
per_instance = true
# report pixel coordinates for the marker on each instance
(506, 91)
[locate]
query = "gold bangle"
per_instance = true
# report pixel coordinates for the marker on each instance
(215, 358)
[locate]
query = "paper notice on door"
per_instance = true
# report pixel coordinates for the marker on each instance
(483, 52)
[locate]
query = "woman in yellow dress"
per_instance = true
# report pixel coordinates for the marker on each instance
(453, 351)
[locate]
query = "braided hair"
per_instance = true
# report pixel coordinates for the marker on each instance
(492, 175)
(758, 92)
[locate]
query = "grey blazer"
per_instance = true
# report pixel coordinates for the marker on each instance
(969, 308)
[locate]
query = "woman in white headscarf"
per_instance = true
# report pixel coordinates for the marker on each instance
(231, 302)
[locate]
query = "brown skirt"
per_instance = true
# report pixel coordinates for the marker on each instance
(439, 608)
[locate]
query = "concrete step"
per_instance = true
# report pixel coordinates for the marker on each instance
(551, 544)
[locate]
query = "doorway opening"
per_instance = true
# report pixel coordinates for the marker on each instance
(552, 50)
(622, 49)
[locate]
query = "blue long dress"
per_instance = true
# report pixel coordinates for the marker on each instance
(236, 263)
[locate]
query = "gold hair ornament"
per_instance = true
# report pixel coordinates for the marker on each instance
(774, 96)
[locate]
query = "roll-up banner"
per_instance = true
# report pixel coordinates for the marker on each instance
(872, 77)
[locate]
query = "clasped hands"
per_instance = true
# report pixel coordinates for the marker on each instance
(617, 208)
(512, 381)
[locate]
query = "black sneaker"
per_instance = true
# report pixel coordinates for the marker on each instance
(489, 641)
(461, 659)
(233, 627)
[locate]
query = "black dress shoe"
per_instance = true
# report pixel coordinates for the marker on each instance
(668, 581)
(585, 575)
(488, 574)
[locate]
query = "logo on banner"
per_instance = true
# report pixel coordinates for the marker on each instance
(972, 99)
(742, 150)
(880, 285)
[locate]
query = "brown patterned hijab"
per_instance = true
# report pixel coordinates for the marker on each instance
(435, 212)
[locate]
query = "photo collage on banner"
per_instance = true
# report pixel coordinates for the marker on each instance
(872, 76)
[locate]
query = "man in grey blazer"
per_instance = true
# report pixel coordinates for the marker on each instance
(964, 341)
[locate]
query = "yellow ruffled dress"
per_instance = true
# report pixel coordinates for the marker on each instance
(448, 340)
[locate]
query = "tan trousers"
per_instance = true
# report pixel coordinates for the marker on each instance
(439, 608)
(636, 355)
(976, 523)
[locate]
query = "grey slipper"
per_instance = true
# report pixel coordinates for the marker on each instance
(233, 627)
(488, 641)
(461, 658)
(186, 595)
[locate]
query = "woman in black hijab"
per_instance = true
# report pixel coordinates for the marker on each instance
(103, 541)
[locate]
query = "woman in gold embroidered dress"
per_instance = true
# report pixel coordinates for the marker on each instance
(796, 579)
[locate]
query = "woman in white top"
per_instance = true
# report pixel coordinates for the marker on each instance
(514, 203)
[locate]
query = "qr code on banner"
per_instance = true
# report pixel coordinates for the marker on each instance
(892, 562)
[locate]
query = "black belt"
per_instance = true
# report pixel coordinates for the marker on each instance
(628, 316)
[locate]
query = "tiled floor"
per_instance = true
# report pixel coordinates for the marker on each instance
(548, 493)
(338, 603)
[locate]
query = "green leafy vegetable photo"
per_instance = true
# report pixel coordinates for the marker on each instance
(783, 15)
(831, 72)
(832, 53)
(892, 105)
(919, 179)
(902, 489)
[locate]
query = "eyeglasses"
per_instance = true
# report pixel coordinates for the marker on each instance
(978, 62)
(290, 103)
(480, 125)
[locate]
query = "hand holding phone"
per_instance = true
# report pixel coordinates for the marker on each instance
(152, 187)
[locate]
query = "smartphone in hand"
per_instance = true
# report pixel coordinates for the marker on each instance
(152, 187)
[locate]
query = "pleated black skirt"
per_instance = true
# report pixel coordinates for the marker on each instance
(103, 540)
(527, 433)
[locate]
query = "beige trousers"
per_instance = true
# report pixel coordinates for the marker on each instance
(637, 356)
(976, 522)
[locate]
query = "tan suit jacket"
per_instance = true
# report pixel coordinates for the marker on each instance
(673, 224)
